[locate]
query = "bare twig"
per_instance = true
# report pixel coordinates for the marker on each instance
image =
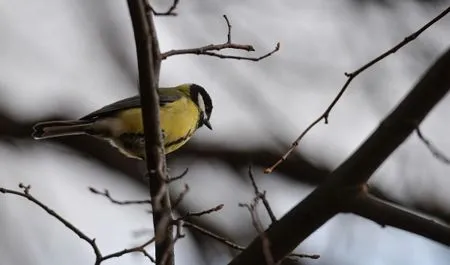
(208, 49)
(213, 235)
(169, 12)
(26, 194)
(260, 229)
(107, 195)
(172, 179)
(308, 256)
(180, 197)
(261, 195)
(433, 149)
(140, 248)
(201, 213)
(229, 30)
(254, 59)
(350, 77)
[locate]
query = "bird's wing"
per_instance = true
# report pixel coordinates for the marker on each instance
(129, 103)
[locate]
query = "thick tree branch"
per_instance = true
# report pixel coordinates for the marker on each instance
(148, 56)
(350, 77)
(343, 184)
(386, 214)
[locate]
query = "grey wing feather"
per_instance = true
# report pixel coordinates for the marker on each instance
(128, 103)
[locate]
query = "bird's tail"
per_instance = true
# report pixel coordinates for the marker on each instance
(52, 129)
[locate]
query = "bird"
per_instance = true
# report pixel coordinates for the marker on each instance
(183, 109)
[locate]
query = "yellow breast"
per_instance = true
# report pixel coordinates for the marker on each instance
(178, 120)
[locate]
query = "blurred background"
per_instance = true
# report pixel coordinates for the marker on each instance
(63, 59)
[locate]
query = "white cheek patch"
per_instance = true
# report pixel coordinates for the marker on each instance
(201, 103)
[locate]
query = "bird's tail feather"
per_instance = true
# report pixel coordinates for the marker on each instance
(52, 129)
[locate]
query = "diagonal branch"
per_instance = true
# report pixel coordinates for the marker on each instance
(149, 62)
(344, 184)
(350, 77)
(384, 214)
(26, 194)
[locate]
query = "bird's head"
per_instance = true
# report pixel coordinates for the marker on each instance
(202, 99)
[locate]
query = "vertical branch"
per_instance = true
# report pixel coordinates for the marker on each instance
(148, 57)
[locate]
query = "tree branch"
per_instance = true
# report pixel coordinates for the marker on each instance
(208, 49)
(261, 195)
(169, 12)
(107, 195)
(350, 77)
(140, 248)
(256, 221)
(433, 149)
(26, 194)
(149, 61)
(386, 214)
(343, 184)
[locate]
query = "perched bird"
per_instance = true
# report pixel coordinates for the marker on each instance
(183, 109)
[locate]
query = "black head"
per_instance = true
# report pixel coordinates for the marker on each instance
(204, 103)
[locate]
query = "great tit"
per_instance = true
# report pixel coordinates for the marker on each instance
(183, 109)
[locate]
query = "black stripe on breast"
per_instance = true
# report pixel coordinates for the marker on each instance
(180, 140)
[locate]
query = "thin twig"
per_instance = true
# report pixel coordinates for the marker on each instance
(308, 256)
(350, 77)
(213, 235)
(107, 195)
(201, 213)
(208, 49)
(229, 29)
(254, 59)
(256, 221)
(169, 12)
(261, 195)
(433, 149)
(172, 179)
(140, 248)
(26, 194)
(180, 197)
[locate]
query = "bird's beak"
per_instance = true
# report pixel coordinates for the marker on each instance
(207, 124)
